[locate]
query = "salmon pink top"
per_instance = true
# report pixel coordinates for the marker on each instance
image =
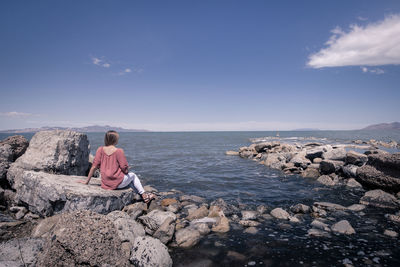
(112, 167)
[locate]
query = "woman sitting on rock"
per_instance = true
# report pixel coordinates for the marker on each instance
(114, 168)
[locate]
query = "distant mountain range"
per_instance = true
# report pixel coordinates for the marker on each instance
(87, 129)
(383, 126)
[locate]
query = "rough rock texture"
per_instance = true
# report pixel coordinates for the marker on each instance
(335, 154)
(18, 145)
(59, 151)
(343, 227)
(356, 158)
(127, 228)
(350, 170)
(154, 219)
(381, 199)
(299, 160)
(311, 173)
(47, 194)
(83, 238)
(16, 252)
(197, 213)
(166, 231)
(187, 237)
(330, 166)
(300, 208)
(329, 206)
(374, 178)
(249, 215)
(148, 251)
(5, 160)
(353, 183)
(326, 180)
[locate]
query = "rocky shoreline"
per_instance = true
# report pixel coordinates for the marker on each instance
(47, 218)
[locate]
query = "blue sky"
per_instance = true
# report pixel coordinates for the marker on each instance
(199, 65)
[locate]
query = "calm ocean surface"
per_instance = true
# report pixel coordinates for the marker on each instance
(195, 163)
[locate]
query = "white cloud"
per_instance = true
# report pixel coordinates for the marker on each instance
(362, 18)
(100, 62)
(15, 114)
(126, 71)
(372, 45)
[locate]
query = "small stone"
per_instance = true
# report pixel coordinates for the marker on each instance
(222, 226)
(280, 213)
(198, 213)
(326, 180)
(168, 201)
(320, 225)
(343, 227)
(261, 209)
(356, 207)
(294, 219)
(232, 153)
(187, 237)
(249, 223)
(317, 233)
(236, 255)
(249, 215)
(251, 230)
(329, 206)
(300, 208)
(193, 198)
(390, 233)
(353, 183)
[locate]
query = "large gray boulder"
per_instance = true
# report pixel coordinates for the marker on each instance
(335, 154)
(11, 148)
(47, 194)
(382, 171)
(148, 251)
(59, 152)
(83, 238)
(18, 145)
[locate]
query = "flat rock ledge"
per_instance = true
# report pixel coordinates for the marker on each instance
(47, 194)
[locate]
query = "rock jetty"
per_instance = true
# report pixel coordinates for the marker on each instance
(331, 164)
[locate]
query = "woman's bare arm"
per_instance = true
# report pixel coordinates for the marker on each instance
(89, 176)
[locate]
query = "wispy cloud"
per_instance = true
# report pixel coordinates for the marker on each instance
(373, 70)
(15, 114)
(129, 70)
(100, 62)
(372, 45)
(362, 18)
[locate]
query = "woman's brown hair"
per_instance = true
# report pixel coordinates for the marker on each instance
(111, 138)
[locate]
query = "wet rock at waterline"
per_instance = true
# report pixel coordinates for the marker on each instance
(148, 251)
(380, 199)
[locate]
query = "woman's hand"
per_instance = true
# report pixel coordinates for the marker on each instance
(82, 181)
